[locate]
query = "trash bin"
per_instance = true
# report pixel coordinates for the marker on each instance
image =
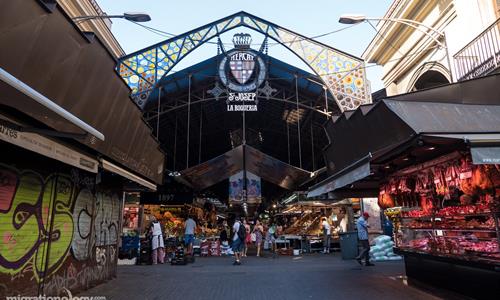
(349, 244)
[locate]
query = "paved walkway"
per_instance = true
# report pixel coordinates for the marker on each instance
(306, 277)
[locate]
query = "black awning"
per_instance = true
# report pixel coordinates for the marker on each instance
(390, 123)
(358, 170)
(265, 166)
(400, 131)
(48, 53)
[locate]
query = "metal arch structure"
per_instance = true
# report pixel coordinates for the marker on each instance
(343, 74)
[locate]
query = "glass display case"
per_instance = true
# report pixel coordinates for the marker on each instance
(469, 233)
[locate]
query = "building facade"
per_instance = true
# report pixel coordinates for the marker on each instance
(459, 40)
(101, 27)
(71, 141)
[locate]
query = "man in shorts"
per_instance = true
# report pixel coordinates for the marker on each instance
(237, 244)
(190, 228)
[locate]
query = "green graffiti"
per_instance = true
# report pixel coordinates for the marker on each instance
(36, 222)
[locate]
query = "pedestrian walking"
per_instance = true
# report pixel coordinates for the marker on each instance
(238, 240)
(189, 230)
(362, 227)
(248, 240)
(326, 235)
(157, 243)
(258, 230)
(272, 235)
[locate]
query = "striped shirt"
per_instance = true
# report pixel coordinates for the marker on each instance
(362, 227)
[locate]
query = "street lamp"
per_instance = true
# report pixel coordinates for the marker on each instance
(355, 19)
(130, 16)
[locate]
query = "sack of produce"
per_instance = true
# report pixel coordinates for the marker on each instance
(381, 239)
(395, 257)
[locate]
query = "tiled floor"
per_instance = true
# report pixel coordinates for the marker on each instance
(305, 277)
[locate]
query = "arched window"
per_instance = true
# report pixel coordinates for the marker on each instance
(430, 79)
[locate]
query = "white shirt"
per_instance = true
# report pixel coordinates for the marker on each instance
(156, 229)
(236, 227)
(327, 227)
(190, 226)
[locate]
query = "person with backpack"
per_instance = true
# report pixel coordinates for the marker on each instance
(238, 240)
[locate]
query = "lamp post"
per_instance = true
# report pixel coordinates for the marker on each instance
(130, 16)
(355, 19)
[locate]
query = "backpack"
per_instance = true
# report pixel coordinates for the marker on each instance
(242, 232)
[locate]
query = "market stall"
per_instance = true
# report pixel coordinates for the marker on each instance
(434, 161)
(447, 219)
(304, 230)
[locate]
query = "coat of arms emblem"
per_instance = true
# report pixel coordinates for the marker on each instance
(242, 63)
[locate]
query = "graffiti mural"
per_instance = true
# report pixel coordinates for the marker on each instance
(38, 211)
(106, 221)
(48, 221)
(81, 277)
(82, 218)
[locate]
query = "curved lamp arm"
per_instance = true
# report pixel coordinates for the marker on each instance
(354, 19)
(415, 25)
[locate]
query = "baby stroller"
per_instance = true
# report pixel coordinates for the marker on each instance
(178, 257)
(145, 252)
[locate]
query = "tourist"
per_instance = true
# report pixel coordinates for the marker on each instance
(190, 229)
(157, 243)
(258, 230)
(326, 235)
(224, 233)
(238, 240)
(248, 239)
(272, 237)
(362, 226)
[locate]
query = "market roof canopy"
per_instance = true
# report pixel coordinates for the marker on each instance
(222, 167)
(343, 74)
(214, 131)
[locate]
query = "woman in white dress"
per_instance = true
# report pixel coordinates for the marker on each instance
(157, 245)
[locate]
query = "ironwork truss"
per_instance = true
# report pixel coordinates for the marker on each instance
(343, 74)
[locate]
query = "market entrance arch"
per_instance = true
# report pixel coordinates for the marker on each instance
(341, 73)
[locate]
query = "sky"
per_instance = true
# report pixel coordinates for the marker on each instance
(309, 18)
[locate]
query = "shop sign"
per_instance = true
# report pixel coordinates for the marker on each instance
(242, 71)
(485, 155)
(44, 146)
(166, 198)
(370, 205)
(254, 190)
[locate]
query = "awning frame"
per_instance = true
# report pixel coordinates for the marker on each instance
(350, 168)
(111, 167)
(49, 104)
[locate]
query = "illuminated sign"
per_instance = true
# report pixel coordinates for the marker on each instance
(242, 71)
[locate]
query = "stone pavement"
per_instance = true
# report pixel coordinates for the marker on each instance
(304, 277)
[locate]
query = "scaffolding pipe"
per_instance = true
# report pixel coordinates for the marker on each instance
(189, 122)
(312, 146)
(201, 128)
(175, 139)
(298, 119)
(158, 118)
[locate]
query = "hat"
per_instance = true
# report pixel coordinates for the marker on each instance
(366, 215)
